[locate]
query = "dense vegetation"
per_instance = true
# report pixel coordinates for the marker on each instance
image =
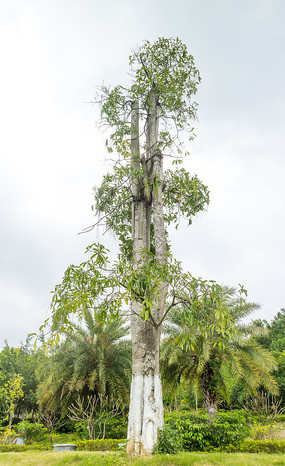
(94, 360)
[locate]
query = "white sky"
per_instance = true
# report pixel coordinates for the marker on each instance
(52, 55)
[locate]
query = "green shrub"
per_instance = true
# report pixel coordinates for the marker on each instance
(201, 433)
(101, 445)
(168, 441)
(31, 432)
(19, 448)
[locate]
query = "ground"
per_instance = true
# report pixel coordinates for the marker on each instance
(99, 458)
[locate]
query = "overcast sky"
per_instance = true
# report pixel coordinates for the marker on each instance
(53, 53)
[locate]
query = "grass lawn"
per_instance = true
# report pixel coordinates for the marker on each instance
(115, 458)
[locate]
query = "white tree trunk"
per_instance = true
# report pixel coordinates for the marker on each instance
(146, 407)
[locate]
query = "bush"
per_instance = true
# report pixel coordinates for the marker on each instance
(31, 432)
(201, 433)
(101, 445)
(168, 441)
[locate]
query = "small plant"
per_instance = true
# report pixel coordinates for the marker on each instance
(168, 441)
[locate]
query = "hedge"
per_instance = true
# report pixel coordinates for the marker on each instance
(254, 446)
(101, 445)
(262, 446)
(87, 445)
(8, 448)
(247, 446)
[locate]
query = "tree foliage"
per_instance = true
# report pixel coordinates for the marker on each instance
(163, 74)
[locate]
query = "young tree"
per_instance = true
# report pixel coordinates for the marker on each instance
(138, 200)
(11, 393)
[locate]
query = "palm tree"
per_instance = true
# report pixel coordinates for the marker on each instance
(94, 360)
(215, 361)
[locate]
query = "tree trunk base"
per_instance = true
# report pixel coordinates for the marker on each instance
(145, 415)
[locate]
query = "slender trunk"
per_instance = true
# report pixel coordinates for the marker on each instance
(146, 408)
(209, 395)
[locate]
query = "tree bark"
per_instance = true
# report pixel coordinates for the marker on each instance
(146, 407)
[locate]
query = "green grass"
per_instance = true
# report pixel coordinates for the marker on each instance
(99, 458)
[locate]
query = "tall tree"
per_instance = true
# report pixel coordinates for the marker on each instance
(138, 200)
(165, 80)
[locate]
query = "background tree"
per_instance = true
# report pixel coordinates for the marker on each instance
(275, 342)
(277, 332)
(23, 361)
(52, 421)
(215, 362)
(94, 360)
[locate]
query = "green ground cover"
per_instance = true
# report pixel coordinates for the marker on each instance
(116, 458)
